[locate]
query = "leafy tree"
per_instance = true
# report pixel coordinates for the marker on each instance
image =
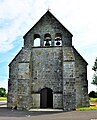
(95, 73)
(92, 94)
(2, 92)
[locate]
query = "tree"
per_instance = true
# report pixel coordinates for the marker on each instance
(95, 73)
(93, 94)
(2, 92)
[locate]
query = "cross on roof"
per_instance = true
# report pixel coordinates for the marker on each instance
(48, 9)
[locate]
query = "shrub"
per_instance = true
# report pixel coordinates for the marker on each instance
(93, 94)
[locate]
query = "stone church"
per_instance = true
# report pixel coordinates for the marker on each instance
(48, 72)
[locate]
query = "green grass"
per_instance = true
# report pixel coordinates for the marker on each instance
(86, 108)
(3, 98)
(93, 99)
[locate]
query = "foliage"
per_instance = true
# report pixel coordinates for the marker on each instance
(93, 94)
(94, 79)
(2, 92)
(95, 73)
(95, 65)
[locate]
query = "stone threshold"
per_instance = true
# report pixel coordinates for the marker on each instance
(46, 110)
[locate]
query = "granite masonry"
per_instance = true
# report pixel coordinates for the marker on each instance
(48, 72)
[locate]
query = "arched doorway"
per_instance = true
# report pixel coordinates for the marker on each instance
(46, 98)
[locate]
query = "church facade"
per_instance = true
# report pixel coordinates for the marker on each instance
(48, 72)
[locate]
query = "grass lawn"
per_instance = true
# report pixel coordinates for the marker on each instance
(3, 98)
(87, 108)
(93, 105)
(93, 99)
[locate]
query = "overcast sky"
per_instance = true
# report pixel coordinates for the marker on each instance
(18, 16)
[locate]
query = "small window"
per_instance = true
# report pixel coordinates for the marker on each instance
(58, 39)
(47, 40)
(36, 40)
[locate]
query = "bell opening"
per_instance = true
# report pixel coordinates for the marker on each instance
(47, 43)
(58, 43)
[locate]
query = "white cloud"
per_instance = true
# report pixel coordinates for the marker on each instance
(78, 16)
(14, 8)
(15, 18)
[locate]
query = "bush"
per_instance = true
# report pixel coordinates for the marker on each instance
(2, 92)
(93, 94)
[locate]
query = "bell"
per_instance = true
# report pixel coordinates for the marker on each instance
(58, 43)
(47, 43)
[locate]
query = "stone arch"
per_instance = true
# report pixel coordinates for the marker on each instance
(46, 98)
(58, 39)
(36, 40)
(47, 39)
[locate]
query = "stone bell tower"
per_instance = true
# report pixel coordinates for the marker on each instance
(48, 72)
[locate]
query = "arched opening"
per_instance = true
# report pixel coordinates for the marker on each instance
(58, 39)
(47, 39)
(46, 98)
(36, 40)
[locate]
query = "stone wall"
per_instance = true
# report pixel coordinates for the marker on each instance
(60, 68)
(58, 101)
(69, 91)
(18, 83)
(35, 100)
(47, 24)
(81, 81)
(47, 71)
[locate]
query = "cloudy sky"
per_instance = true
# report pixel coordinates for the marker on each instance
(18, 16)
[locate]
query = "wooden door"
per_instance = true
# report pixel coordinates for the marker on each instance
(46, 98)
